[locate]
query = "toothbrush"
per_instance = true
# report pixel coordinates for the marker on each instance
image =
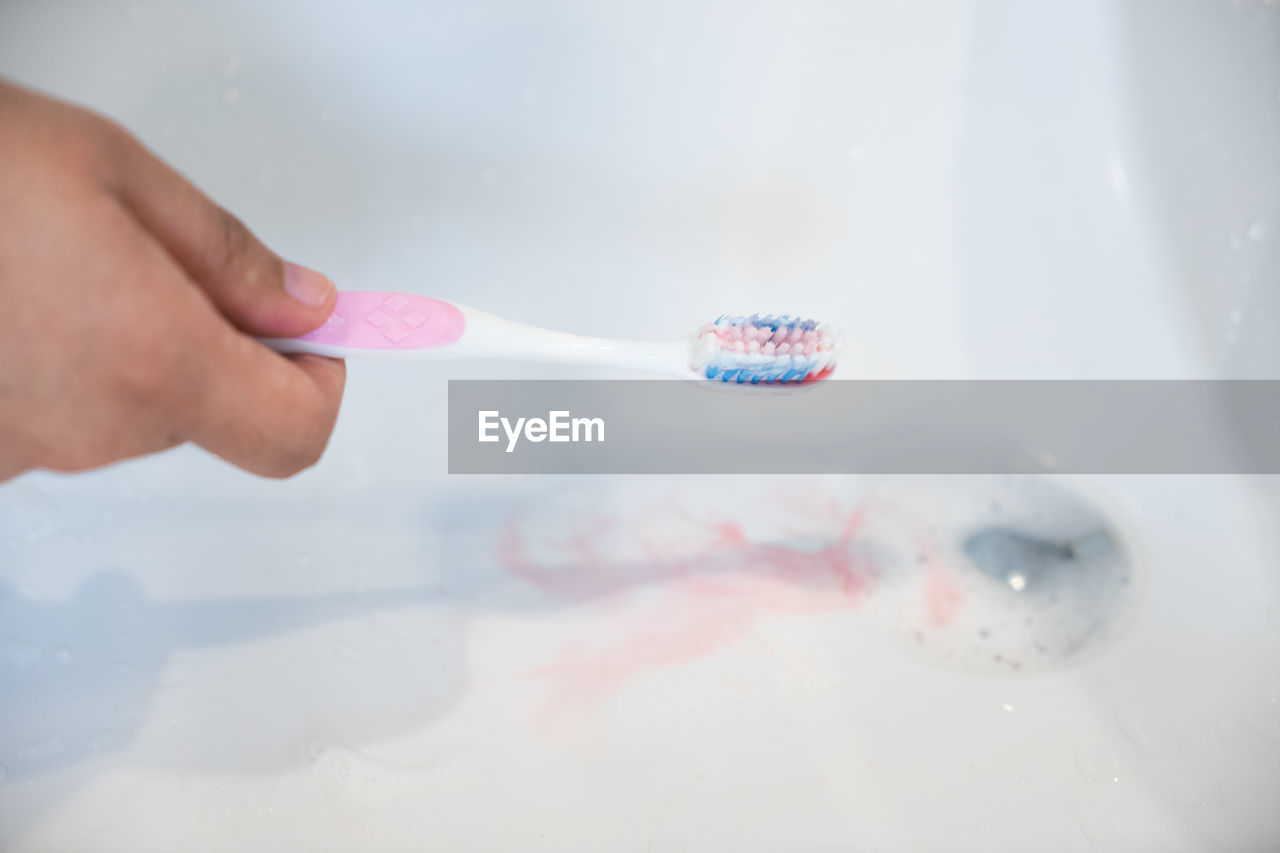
(756, 349)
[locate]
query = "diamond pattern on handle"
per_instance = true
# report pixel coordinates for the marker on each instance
(382, 320)
(391, 324)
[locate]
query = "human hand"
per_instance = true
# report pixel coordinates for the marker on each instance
(127, 302)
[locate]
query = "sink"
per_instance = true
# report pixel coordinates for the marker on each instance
(375, 655)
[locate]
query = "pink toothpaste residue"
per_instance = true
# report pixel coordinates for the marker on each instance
(942, 598)
(708, 585)
(793, 340)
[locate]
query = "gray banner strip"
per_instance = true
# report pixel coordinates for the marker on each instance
(864, 427)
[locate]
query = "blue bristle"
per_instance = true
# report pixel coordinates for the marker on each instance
(712, 371)
(772, 322)
(766, 374)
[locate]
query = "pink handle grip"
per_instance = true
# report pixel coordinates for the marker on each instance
(370, 319)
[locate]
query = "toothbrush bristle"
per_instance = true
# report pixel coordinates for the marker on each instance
(764, 349)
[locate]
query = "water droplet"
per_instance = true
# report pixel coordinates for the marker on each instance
(1102, 832)
(232, 94)
(233, 66)
(62, 655)
(1098, 766)
(1119, 179)
(19, 655)
(195, 844)
(489, 176)
(1195, 791)
(1264, 721)
(346, 651)
(104, 740)
(4, 774)
(28, 513)
(1235, 241)
(328, 114)
(41, 750)
(1258, 231)
(857, 153)
(1008, 708)
(331, 761)
(1133, 728)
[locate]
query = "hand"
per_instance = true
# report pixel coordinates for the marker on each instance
(127, 302)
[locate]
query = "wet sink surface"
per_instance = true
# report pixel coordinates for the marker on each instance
(377, 656)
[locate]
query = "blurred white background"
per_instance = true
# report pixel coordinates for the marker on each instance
(192, 660)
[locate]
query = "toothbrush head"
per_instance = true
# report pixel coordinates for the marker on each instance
(765, 349)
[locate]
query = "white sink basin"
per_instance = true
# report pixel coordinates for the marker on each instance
(375, 656)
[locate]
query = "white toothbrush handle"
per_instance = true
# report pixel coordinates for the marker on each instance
(408, 325)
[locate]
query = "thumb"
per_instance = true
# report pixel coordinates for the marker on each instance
(248, 283)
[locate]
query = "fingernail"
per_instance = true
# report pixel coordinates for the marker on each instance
(307, 286)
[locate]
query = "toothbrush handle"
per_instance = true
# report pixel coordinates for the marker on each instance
(370, 322)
